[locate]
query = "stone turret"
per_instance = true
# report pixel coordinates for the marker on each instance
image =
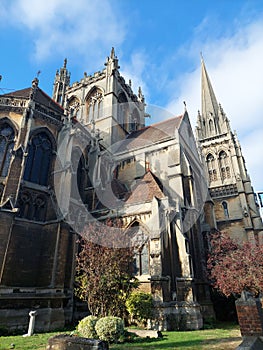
(61, 82)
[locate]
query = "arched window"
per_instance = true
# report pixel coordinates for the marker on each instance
(95, 105)
(32, 207)
(225, 208)
(141, 256)
(135, 120)
(38, 159)
(211, 126)
(224, 165)
(74, 107)
(142, 260)
(211, 166)
(25, 204)
(7, 137)
(40, 204)
(123, 111)
(78, 177)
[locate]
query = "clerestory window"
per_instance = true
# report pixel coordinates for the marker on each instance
(38, 159)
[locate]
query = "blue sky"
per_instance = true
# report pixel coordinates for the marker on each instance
(158, 44)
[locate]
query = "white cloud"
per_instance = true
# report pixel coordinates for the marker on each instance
(67, 27)
(134, 69)
(234, 65)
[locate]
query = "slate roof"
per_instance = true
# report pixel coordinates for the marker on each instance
(152, 134)
(145, 189)
(40, 97)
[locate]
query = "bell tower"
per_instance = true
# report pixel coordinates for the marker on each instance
(229, 184)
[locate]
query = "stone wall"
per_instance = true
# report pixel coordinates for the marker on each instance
(176, 316)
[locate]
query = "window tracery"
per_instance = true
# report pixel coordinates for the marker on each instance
(224, 165)
(95, 105)
(211, 166)
(142, 260)
(38, 159)
(135, 120)
(7, 137)
(74, 107)
(32, 206)
(141, 256)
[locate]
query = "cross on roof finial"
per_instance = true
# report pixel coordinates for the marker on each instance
(38, 73)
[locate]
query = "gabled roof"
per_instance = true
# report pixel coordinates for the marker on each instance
(152, 134)
(145, 189)
(40, 97)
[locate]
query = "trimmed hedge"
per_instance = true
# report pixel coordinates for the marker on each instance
(86, 327)
(110, 329)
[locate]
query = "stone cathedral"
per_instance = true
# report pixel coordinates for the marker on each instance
(86, 154)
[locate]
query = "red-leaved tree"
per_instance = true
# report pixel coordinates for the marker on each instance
(235, 267)
(105, 269)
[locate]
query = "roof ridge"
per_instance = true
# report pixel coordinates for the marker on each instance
(169, 119)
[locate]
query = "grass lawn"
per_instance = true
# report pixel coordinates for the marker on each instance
(224, 337)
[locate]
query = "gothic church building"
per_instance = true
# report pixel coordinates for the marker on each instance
(85, 154)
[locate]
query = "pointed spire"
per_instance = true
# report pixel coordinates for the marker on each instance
(112, 54)
(212, 120)
(61, 82)
(209, 102)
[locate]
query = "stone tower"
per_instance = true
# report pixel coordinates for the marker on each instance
(229, 184)
(103, 102)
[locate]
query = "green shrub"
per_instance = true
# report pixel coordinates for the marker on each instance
(110, 329)
(86, 327)
(140, 307)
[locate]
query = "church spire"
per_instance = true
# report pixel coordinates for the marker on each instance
(209, 102)
(212, 120)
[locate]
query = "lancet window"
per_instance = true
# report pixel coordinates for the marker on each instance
(225, 208)
(211, 166)
(78, 174)
(95, 105)
(224, 165)
(74, 107)
(141, 256)
(38, 159)
(142, 260)
(32, 206)
(135, 120)
(7, 137)
(123, 111)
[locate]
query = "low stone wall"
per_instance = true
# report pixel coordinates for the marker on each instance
(67, 342)
(175, 316)
(47, 319)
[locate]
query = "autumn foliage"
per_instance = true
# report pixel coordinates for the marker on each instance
(104, 269)
(235, 267)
